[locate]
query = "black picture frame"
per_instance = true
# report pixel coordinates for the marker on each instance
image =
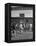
(8, 21)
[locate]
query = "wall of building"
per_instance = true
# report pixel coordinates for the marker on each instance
(27, 13)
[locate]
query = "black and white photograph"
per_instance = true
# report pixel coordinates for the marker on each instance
(20, 22)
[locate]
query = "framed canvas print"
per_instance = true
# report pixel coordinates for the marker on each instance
(19, 22)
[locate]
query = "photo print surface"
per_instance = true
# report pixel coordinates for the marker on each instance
(21, 23)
